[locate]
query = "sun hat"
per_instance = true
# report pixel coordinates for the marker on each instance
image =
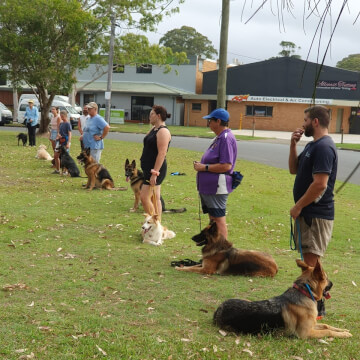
(219, 113)
(92, 105)
(30, 101)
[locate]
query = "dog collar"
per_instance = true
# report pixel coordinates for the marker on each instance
(309, 294)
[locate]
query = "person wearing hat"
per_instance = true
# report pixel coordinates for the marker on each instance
(94, 131)
(31, 121)
(213, 171)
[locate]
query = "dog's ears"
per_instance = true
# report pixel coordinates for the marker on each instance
(213, 228)
(127, 162)
(146, 215)
(318, 271)
(302, 265)
(133, 164)
(87, 150)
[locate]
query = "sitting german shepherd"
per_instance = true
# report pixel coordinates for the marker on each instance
(136, 178)
(295, 310)
(98, 176)
(220, 257)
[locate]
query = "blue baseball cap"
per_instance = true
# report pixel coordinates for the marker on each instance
(220, 113)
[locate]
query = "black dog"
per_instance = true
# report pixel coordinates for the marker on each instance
(67, 163)
(23, 138)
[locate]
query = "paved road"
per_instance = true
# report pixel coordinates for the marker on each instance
(268, 152)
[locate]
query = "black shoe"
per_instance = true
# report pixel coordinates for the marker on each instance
(321, 308)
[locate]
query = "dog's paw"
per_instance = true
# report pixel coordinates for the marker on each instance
(132, 210)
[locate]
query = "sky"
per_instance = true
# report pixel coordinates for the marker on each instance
(259, 38)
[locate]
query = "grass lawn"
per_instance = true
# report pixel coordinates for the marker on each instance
(77, 283)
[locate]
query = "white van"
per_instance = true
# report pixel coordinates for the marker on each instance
(73, 115)
(6, 116)
(63, 98)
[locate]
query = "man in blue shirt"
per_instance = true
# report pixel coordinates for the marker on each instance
(315, 170)
(95, 130)
(31, 120)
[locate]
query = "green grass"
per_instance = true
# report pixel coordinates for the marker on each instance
(91, 283)
(348, 146)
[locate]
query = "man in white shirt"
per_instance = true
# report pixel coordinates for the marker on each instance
(81, 123)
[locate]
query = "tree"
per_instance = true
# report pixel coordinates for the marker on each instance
(288, 49)
(41, 43)
(129, 48)
(187, 39)
(351, 62)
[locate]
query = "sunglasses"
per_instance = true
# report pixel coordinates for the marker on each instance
(211, 119)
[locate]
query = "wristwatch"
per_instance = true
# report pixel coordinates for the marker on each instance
(207, 167)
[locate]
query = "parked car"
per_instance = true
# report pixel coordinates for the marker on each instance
(6, 116)
(73, 115)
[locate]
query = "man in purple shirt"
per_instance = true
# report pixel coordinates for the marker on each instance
(214, 169)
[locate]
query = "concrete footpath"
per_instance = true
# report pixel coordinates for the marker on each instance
(285, 136)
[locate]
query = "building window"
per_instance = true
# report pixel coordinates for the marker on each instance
(144, 69)
(196, 106)
(118, 68)
(89, 98)
(2, 77)
(263, 111)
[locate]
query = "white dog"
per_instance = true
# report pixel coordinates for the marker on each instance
(153, 232)
(42, 154)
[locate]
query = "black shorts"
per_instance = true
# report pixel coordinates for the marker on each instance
(159, 179)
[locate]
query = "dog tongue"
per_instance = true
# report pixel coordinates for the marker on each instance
(127, 179)
(327, 295)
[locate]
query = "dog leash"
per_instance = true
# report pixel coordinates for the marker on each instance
(153, 200)
(292, 237)
(199, 213)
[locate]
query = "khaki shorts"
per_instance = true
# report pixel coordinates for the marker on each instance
(314, 238)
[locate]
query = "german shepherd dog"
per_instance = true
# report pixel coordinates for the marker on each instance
(67, 163)
(295, 310)
(22, 137)
(97, 174)
(136, 178)
(220, 257)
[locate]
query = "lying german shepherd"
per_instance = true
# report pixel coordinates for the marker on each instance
(220, 257)
(67, 163)
(23, 138)
(98, 176)
(136, 178)
(295, 310)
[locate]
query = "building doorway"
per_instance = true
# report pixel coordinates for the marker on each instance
(354, 121)
(339, 120)
(141, 107)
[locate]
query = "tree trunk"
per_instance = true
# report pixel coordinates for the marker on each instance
(45, 105)
(221, 85)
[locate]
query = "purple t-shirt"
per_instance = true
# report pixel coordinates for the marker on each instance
(222, 150)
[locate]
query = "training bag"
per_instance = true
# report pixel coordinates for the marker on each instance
(236, 179)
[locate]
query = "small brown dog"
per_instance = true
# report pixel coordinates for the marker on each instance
(98, 176)
(42, 154)
(295, 310)
(220, 257)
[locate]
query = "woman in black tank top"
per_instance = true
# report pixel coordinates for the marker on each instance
(153, 158)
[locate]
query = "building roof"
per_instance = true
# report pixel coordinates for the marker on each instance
(287, 77)
(133, 87)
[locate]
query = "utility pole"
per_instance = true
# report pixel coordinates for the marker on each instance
(221, 85)
(110, 70)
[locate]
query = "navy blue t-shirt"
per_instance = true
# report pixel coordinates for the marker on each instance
(318, 157)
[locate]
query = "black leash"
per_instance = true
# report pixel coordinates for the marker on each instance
(199, 214)
(348, 178)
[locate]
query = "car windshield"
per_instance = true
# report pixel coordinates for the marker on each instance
(71, 110)
(2, 106)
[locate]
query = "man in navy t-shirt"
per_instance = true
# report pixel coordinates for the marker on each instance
(315, 170)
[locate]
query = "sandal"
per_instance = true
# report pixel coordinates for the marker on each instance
(185, 262)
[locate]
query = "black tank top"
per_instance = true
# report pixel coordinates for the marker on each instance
(150, 150)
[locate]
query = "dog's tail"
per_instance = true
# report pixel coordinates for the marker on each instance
(173, 211)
